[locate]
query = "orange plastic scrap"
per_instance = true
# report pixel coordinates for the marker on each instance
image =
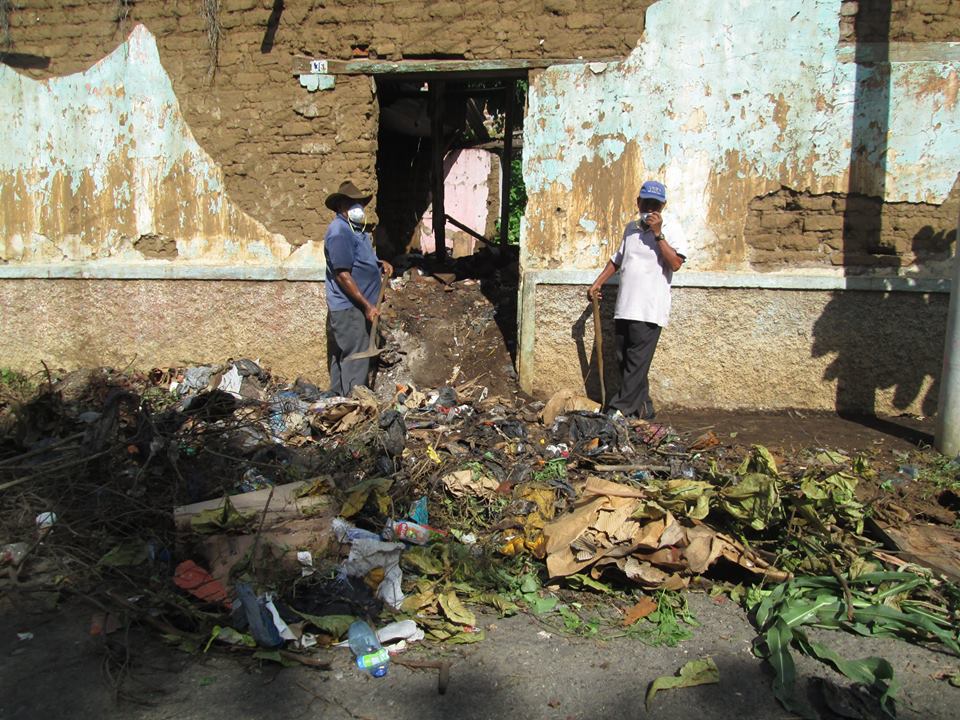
(198, 582)
(706, 441)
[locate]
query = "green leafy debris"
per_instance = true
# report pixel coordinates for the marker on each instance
(872, 611)
(221, 519)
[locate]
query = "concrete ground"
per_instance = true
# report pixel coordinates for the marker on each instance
(521, 670)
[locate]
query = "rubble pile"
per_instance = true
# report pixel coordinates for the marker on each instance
(241, 510)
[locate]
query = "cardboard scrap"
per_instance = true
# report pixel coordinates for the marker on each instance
(292, 523)
(610, 526)
(932, 546)
(463, 482)
(564, 401)
(339, 414)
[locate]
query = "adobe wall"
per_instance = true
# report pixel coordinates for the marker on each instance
(282, 149)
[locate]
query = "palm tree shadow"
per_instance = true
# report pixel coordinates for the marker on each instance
(883, 341)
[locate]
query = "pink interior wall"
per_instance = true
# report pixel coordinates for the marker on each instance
(466, 196)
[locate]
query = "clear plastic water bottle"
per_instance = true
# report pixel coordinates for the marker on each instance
(370, 655)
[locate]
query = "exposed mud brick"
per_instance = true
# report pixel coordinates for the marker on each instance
(799, 241)
(815, 202)
(769, 241)
(579, 21)
(908, 21)
(845, 230)
(234, 5)
(447, 10)
(778, 221)
(560, 7)
(816, 223)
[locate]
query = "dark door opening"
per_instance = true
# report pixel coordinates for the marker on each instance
(449, 151)
(461, 129)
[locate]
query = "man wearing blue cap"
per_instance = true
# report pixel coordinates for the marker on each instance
(646, 260)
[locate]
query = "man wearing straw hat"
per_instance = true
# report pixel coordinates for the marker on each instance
(354, 276)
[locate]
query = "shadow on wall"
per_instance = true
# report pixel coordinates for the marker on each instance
(888, 340)
(589, 363)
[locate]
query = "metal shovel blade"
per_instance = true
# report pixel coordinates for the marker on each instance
(372, 350)
(365, 354)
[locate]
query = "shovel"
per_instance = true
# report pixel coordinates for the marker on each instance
(598, 344)
(372, 350)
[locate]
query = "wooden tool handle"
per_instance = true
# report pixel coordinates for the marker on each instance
(598, 343)
(376, 321)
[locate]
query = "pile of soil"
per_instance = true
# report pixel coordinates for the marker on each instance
(451, 325)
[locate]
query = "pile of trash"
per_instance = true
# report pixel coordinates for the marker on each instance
(242, 510)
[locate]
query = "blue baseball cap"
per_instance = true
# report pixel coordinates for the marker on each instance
(652, 190)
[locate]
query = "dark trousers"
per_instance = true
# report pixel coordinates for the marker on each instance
(636, 342)
(347, 332)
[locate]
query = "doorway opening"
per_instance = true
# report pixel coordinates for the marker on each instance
(449, 202)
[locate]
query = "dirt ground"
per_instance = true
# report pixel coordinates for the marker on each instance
(524, 669)
(452, 324)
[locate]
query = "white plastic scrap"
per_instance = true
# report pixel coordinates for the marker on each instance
(285, 632)
(400, 630)
(367, 554)
(396, 635)
(305, 558)
(230, 381)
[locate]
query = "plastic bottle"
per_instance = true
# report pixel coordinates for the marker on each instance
(410, 532)
(370, 655)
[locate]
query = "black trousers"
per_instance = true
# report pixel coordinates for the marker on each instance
(636, 342)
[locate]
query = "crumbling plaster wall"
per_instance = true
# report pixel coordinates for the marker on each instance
(751, 132)
(101, 164)
(282, 149)
(723, 114)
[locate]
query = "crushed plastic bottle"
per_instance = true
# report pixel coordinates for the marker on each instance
(410, 532)
(370, 655)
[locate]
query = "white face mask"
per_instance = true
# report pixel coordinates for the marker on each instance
(356, 214)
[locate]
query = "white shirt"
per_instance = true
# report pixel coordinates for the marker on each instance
(644, 276)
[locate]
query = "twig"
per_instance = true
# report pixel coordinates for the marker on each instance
(666, 453)
(847, 595)
(443, 666)
(631, 468)
(256, 540)
(38, 451)
(57, 468)
(304, 660)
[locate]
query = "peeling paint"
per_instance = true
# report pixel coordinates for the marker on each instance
(101, 164)
(745, 97)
